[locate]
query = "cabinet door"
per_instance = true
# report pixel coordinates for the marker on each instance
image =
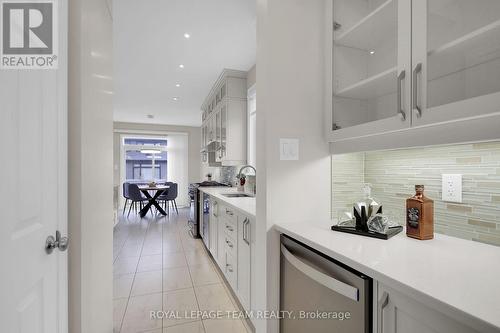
(223, 131)
(214, 228)
(218, 135)
(234, 132)
(371, 57)
(244, 259)
(221, 241)
(456, 60)
(398, 313)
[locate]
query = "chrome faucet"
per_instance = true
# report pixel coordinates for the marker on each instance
(254, 170)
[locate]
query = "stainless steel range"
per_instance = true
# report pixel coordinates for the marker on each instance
(196, 200)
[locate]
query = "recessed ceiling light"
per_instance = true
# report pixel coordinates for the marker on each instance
(150, 116)
(181, 66)
(372, 52)
(175, 98)
(178, 85)
(186, 35)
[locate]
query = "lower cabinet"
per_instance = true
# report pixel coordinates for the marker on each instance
(235, 235)
(399, 313)
(244, 260)
(213, 227)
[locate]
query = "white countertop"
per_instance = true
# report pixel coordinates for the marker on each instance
(246, 204)
(462, 275)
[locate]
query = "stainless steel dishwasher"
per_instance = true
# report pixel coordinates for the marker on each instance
(319, 294)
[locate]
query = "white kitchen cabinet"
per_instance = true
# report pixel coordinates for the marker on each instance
(370, 67)
(226, 119)
(245, 240)
(401, 71)
(456, 59)
(399, 313)
(236, 251)
(214, 227)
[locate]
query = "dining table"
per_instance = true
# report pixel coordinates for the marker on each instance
(152, 193)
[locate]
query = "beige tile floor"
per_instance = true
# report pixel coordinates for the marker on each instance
(159, 267)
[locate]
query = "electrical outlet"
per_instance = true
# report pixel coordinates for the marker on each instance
(452, 188)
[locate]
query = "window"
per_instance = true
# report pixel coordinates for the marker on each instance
(145, 159)
(252, 125)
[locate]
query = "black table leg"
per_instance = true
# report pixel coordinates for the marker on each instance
(152, 201)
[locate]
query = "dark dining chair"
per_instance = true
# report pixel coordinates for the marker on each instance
(169, 196)
(136, 196)
(125, 195)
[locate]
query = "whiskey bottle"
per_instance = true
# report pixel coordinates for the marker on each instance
(420, 215)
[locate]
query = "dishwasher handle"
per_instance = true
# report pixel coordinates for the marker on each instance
(326, 280)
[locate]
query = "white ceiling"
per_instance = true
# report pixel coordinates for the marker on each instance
(149, 45)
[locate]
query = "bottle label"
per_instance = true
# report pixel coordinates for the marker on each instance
(413, 217)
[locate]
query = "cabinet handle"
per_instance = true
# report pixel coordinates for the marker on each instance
(228, 212)
(401, 112)
(245, 231)
(326, 280)
(417, 108)
(229, 243)
(229, 268)
(382, 303)
(228, 227)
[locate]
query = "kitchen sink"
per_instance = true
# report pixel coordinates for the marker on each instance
(237, 195)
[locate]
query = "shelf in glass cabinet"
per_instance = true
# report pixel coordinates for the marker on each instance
(378, 85)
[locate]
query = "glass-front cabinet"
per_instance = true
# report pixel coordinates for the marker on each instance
(218, 136)
(456, 59)
(221, 133)
(223, 129)
(403, 65)
(370, 64)
(224, 121)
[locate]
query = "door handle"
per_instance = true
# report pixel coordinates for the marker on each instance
(58, 242)
(401, 111)
(382, 303)
(417, 108)
(326, 280)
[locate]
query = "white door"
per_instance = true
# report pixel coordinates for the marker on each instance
(456, 60)
(33, 171)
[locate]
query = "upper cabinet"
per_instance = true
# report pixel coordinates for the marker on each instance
(456, 59)
(224, 120)
(370, 65)
(403, 66)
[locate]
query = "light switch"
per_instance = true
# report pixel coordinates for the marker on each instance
(289, 149)
(452, 188)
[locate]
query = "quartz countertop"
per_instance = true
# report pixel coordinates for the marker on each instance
(457, 277)
(246, 205)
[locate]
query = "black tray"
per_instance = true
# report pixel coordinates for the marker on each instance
(392, 231)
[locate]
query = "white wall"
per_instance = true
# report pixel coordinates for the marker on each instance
(90, 195)
(290, 58)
